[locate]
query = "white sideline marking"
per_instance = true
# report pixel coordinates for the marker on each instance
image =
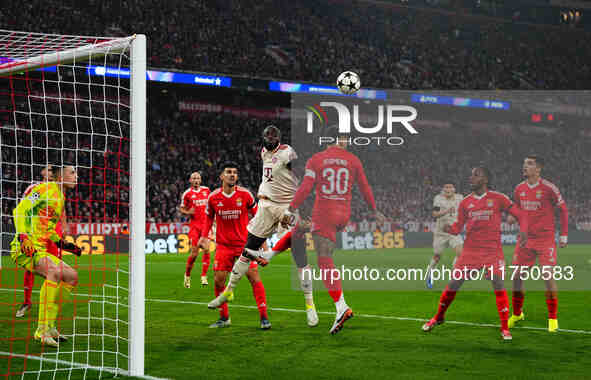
(329, 313)
(77, 365)
(371, 316)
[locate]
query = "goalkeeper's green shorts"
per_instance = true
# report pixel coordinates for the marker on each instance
(29, 262)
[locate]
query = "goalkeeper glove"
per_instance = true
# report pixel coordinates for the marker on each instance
(26, 245)
(70, 247)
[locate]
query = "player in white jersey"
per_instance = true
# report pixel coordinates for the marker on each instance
(445, 210)
(278, 187)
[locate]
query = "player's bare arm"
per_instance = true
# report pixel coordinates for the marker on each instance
(65, 225)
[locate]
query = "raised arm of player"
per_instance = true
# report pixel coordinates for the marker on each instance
(458, 226)
(305, 187)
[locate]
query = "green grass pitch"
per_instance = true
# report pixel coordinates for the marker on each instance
(383, 340)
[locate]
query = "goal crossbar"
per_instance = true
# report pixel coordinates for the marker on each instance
(65, 56)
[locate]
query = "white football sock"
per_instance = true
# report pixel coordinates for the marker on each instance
(341, 305)
(306, 284)
(432, 265)
(268, 255)
(238, 270)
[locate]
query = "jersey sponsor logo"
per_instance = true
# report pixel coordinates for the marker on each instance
(481, 214)
(471, 205)
(490, 203)
(220, 204)
(531, 205)
(539, 194)
(239, 202)
(522, 194)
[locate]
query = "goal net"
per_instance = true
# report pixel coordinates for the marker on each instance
(76, 101)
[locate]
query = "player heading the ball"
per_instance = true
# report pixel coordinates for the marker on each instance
(277, 190)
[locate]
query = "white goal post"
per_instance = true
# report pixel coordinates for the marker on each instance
(22, 53)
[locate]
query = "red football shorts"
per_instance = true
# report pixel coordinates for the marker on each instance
(544, 250)
(491, 259)
(195, 234)
(225, 256)
(326, 222)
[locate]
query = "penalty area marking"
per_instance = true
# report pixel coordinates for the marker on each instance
(76, 366)
(374, 316)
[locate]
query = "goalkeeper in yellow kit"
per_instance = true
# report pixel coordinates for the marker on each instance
(35, 219)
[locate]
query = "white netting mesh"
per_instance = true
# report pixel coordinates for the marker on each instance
(74, 111)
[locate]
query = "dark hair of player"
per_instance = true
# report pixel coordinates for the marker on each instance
(487, 174)
(539, 160)
(271, 137)
(228, 164)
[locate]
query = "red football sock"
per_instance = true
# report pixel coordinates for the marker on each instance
(283, 243)
(261, 298)
(552, 307)
(190, 262)
(224, 313)
(518, 302)
(206, 260)
(503, 307)
(28, 282)
(332, 281)
(447, 297)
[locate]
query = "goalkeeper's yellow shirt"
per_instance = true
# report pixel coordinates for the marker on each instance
(38, 214)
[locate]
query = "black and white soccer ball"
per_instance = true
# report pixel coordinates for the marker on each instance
(348, 82)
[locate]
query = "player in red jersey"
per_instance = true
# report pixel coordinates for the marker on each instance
(538, 197)
(333, 172)
(193, 204)
(481, 213)
(230, 206)
(29, 277)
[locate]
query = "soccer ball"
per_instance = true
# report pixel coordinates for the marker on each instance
(348, 82)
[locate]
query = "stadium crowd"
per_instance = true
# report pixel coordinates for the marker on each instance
(404, 182)
(389, 47)
(314, 40)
